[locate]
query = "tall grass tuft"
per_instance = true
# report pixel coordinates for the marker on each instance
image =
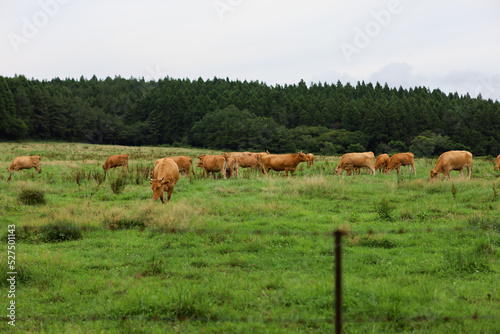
(118, 183)
(99, 177)
(384, 209)
(31, 197)
(60, 231)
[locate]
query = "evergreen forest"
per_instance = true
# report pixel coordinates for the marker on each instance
(321, 118)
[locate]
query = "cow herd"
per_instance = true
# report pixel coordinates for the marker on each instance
(166, 171)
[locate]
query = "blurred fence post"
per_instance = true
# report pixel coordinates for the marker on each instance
(338, 281)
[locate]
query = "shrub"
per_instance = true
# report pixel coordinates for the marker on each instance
(32, 197)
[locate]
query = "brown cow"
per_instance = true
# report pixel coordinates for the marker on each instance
(349, 161)
(26, 162)
(401, 159)
(114, 161)
(382, 162)
(497, 166)
(165, 176)
(244, 160)
(280, 162)
(310, 159)
(184, 163)
(213, 163)
(452, 160)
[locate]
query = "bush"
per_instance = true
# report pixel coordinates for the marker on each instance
(31, 197)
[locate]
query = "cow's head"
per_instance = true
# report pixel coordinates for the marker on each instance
(158, 186)
(338, 170)
(105, 167)
(434, 175)
(303, 156)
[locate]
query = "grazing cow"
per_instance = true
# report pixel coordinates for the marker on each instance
(184, 163)
(350, 161)
(26, 162)
(114, 161)
(497, 166)
(280, 162)
(244, 160)
(401, 159)
(382, 162)
(165, 176)
(213, 163)
(452, 160)
(310, 159)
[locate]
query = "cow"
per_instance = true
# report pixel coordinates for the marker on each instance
(349, 161)
(401, 159)
(26, 162)
(497, 166)
(310, 159)
(184, 163)
(452, 160)
(114, 161)
(282, 162)
(213, 163)
(243, 160)
(165, 176)
(382, 162)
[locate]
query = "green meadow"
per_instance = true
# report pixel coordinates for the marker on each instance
(255, 254)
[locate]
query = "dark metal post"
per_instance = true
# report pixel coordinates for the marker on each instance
(338, 281)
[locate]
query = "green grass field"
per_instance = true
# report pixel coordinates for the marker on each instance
(247, 255)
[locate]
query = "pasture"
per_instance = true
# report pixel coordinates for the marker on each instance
(247, 255)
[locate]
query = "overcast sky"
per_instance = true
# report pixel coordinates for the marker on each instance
(453, 45)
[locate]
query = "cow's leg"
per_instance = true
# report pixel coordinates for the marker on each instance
(162, 200)
(169, 194)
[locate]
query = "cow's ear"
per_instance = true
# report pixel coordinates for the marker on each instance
(165, 182)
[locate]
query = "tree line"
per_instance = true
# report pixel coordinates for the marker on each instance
(237, 115)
